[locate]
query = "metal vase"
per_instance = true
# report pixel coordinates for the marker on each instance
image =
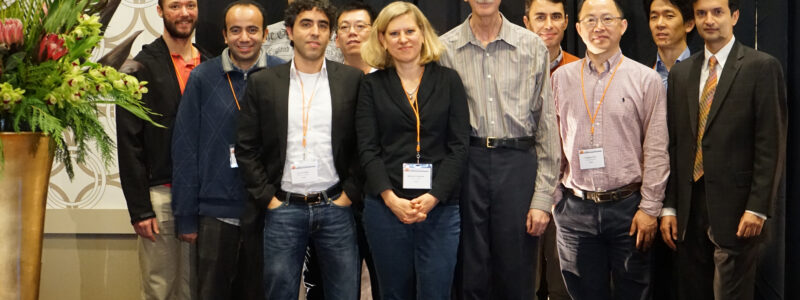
(24, 181)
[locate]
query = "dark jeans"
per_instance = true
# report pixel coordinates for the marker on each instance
(311, 273)
(413, 261)
(289, 229)
(595, 249)
(219, 259)
(497, 255)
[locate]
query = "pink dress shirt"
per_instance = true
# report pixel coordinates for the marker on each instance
(631, 127)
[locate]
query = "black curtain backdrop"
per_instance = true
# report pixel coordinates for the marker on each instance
(784, 22)
(766, 25)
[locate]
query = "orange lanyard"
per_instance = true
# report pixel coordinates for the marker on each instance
(233, 92)
(413, 101)
(592, 118)
(181, 83)
(306, 111)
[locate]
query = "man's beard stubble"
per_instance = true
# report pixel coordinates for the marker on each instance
(174, 32)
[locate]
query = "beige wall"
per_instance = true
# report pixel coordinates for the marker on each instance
(89, 267)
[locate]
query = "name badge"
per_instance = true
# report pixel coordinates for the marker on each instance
(304, 171)
(232, 149)
(591, 158)
(417, 176)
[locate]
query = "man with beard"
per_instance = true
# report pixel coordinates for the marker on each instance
(514, 153)
(297, 150)
(208, 192)
(144, 154)
(278, 43)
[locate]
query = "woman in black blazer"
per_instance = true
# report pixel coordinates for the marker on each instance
(412, 123)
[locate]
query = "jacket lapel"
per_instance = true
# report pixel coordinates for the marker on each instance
(336, 105)
(281, 107)
(693, 92)
(398, 95)
(425, 90)
(727, 76)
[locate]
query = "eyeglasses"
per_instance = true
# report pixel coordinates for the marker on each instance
(358, 27)
(607, 20)
(554, 18)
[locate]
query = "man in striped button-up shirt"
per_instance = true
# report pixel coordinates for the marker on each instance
(514, 154)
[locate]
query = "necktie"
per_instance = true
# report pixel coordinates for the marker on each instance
(705, 106)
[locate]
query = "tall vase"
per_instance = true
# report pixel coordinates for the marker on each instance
(23, 195)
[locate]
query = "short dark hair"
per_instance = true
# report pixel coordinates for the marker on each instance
(529, 3)
(733, 5)
(356, 5)
(298, 6)
(616, 3)
(684, 8)
(244, 3)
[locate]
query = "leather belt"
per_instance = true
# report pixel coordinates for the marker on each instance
(603, 197)
(313, 198)
(520, 143)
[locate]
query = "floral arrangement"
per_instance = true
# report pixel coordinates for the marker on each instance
(47, 82)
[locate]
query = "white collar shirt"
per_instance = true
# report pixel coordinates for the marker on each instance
(722, 57)
(319, 147)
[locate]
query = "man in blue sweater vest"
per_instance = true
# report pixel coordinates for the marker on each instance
(207, 190)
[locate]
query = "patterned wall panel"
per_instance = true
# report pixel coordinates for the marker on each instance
(96, 186)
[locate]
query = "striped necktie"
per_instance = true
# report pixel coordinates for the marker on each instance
(705, 107)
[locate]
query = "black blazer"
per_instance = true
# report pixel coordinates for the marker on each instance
(261, 145)
(387, 132)
(744, 145)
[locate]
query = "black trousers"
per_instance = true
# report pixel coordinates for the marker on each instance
(497, 257)
(707, 269)
(221, 260)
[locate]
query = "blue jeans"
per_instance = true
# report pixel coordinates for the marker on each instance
(289, 228)
(413, 261)
(593, 244)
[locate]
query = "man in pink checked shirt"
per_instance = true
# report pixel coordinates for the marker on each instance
(611, 114)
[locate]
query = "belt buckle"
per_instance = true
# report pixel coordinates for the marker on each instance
(315, 199)
(603, 197)
(489, 144)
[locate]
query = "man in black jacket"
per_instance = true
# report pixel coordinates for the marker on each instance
(144, 154)
(297, 151)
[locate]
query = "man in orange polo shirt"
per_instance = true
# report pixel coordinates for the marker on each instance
(145, 163)
(548, 19)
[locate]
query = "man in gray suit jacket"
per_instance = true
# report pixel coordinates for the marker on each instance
(297, 152)
(727, 127)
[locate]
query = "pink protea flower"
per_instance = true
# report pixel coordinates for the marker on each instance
(11, 32)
